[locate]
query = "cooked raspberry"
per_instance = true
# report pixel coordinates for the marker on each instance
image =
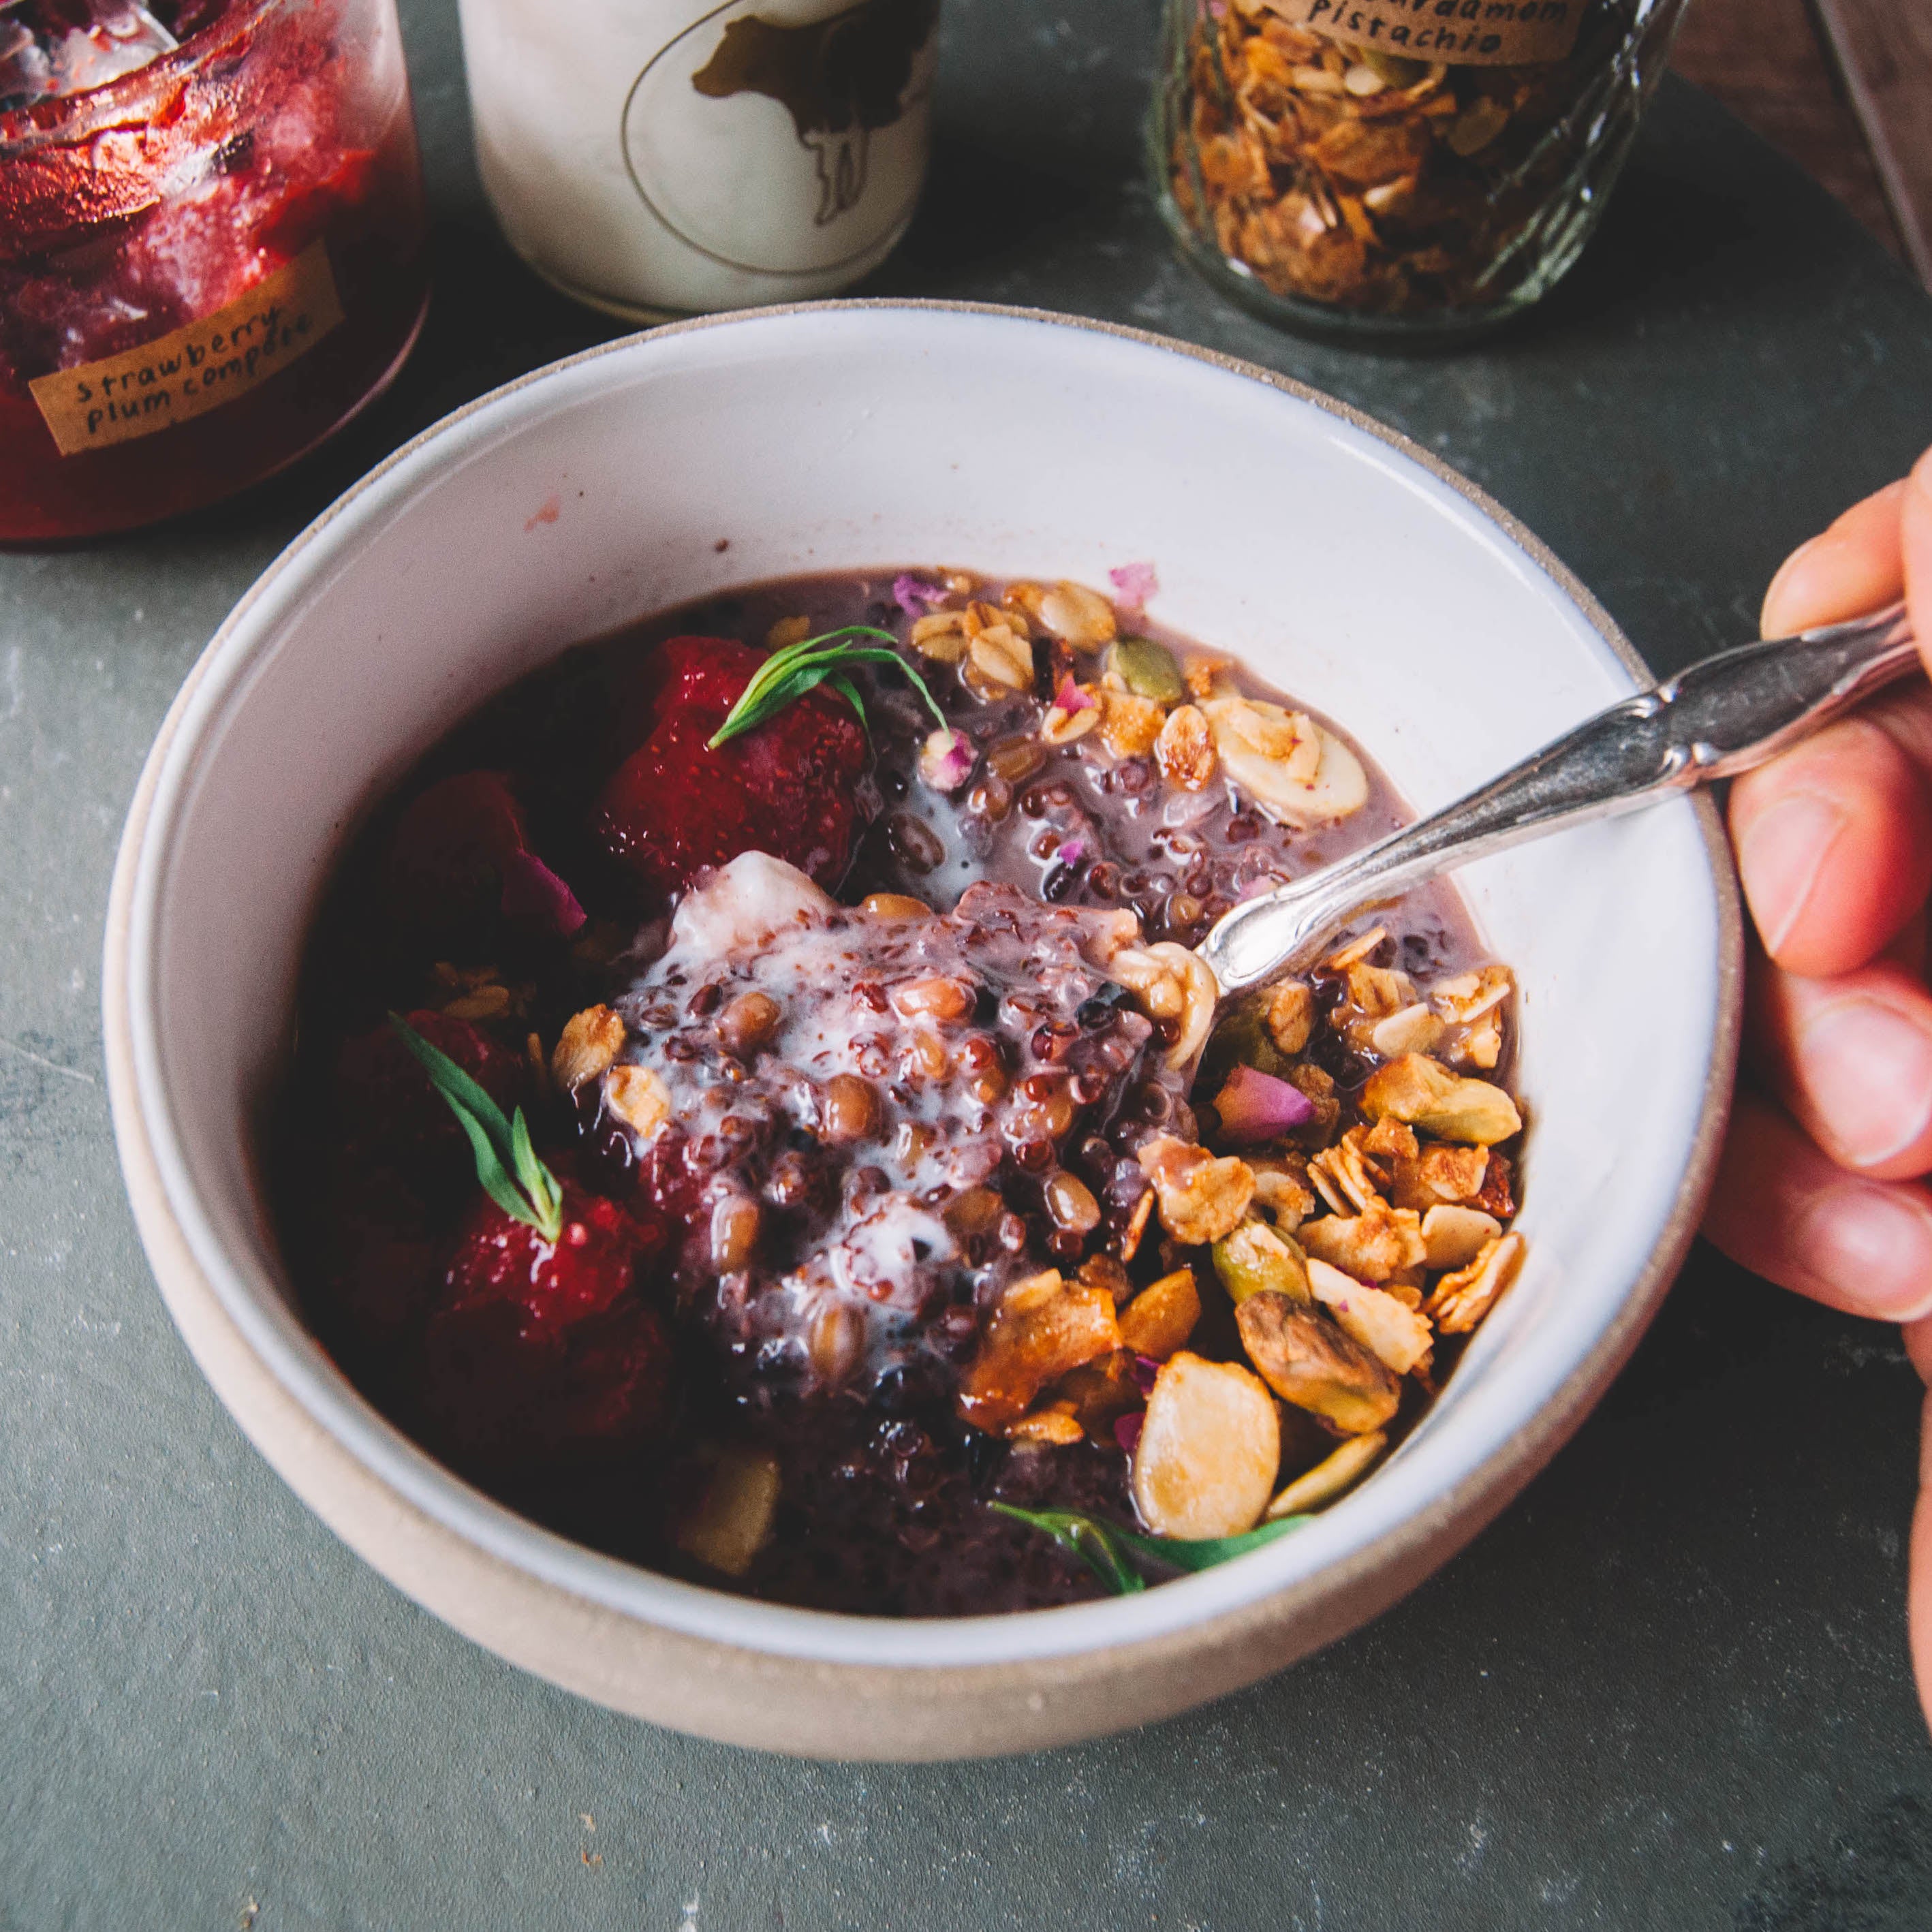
(446, 860)
(555, 1284)
(542, 1349)
(787, 787)
(390, 1115)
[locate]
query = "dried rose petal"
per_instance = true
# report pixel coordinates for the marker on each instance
(946, 759)
(535, 896)
(1127, 1429)
(1070, 851)
(914, 598)
(1145, 1370)
(1256, 1106)
(1134, 584)
(1070, 698)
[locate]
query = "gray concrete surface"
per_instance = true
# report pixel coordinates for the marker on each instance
(1670, 1689)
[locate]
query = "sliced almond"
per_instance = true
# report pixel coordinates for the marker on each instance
(1330, 1477)
(1294, 769)
(1205, 1463)
(1454, 1237)
(1159, 1319)
(1396, 1336)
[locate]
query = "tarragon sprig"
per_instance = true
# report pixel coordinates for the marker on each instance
(502, 1148)
(1111, 1552)
(787, 675)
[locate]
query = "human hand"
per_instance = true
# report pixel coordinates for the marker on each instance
(1821, 1185)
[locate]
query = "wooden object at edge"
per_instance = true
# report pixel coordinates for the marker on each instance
(1883, 49)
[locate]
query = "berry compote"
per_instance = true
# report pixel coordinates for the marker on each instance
(208, 264)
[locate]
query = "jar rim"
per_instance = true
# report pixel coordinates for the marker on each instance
(61, 119)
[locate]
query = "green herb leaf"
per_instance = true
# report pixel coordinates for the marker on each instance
(787, 675)
(1097, 1544)
(501, 1147)
(1106, 1549)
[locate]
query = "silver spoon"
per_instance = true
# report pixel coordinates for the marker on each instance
(1720, 717)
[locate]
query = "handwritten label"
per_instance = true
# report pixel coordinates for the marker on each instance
(184, 374)
(1465, 33)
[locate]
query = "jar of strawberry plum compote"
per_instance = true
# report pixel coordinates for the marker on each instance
(209, 261)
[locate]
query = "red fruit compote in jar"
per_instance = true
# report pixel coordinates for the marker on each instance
(212, 247)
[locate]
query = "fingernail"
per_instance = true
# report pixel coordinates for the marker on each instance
(1868, 1073)
(1785, 571)
(1874, 1246)
(1781, 853)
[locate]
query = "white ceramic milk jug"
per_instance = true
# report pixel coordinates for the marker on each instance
(661, 157)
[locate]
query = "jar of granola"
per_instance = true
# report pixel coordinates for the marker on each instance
(212, 247)
(1398, 167)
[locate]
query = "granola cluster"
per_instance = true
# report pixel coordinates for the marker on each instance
(1371, 180)
(1349, 1234)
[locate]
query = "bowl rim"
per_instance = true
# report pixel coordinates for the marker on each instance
(205, 1291)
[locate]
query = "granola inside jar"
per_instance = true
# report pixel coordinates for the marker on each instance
(1399, 167)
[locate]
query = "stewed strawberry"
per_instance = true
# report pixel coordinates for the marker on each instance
(542, 1341)
(788, 787)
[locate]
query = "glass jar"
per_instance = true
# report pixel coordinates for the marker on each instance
(1396, 167)
(655, 158)
(206, 266)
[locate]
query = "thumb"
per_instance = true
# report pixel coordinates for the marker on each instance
(1915, 531)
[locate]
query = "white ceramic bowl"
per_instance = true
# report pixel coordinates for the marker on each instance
(1346, 565)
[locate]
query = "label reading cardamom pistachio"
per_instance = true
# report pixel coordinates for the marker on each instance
(185, 373)
(1467, 33)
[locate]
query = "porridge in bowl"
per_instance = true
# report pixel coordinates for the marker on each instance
(756, 1110)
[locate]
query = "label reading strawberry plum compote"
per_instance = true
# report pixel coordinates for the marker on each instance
(195, 368)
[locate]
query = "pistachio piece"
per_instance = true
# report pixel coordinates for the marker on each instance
(1205, 1463)
(1308, 1361)
(1256, 1260)
(1330, 1477)
(731, 1521)
(1148, 670)
(1159, 1319)
(1398, 1337)
(1425, 1094)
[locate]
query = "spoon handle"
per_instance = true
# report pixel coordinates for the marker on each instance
(1720, 717)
